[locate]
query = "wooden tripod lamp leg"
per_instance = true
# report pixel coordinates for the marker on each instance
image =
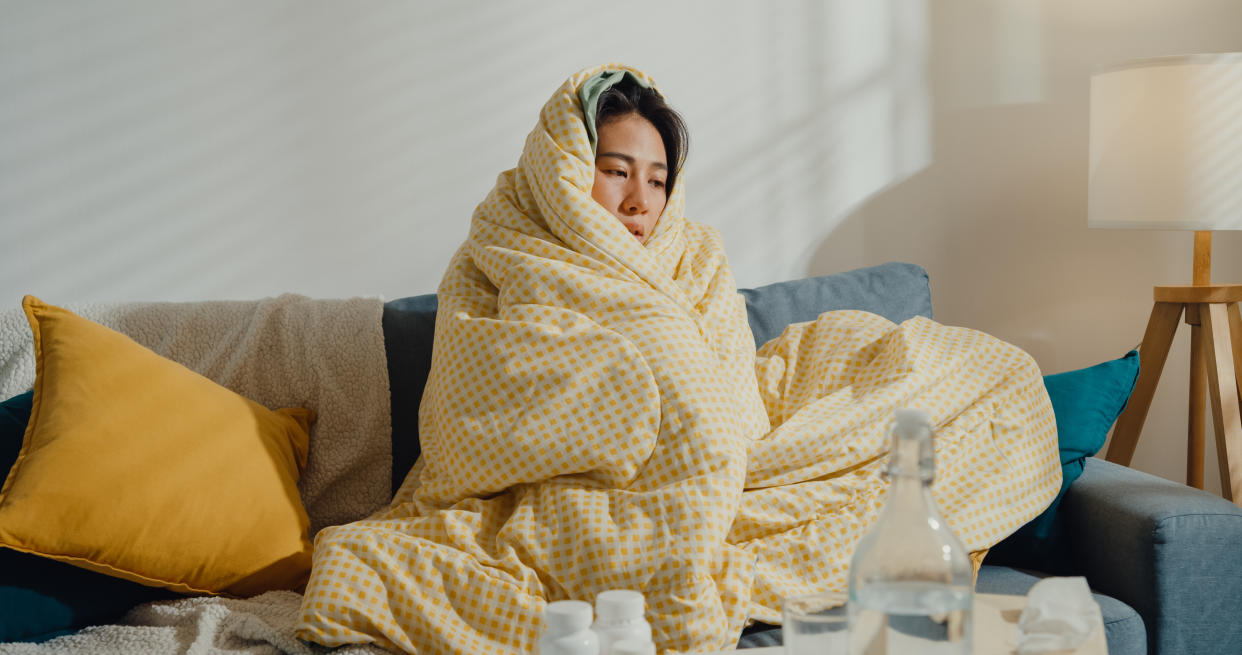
(1200, 350)
(1235, 332)
(1152, 354)
(1223, 391)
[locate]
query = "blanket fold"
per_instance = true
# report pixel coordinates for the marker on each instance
(596, 417)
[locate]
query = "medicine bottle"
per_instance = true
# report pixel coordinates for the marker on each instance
(619, 615)
(567, 629)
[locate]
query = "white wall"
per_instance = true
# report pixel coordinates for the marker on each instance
(181, 151)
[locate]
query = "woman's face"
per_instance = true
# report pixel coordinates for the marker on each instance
(630, 173)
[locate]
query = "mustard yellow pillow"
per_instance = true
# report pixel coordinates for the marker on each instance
(134, 466)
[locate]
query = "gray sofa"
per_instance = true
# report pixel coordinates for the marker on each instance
(1164, 560)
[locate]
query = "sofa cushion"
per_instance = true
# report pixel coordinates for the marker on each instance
(136, 467)
(14, 415)
(896, 290)
(409, 331)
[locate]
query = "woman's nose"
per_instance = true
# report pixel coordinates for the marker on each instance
(635, 199)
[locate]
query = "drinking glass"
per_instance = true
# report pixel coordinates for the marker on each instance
(816, 624)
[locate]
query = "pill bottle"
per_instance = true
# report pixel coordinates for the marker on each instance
(567, 629)
(619, 615)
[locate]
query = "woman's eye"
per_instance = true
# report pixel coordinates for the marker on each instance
(659, 184)
(613, 171)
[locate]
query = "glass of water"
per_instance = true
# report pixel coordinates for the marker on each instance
(816, 624)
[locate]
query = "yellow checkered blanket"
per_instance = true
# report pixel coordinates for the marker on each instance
(596, 417)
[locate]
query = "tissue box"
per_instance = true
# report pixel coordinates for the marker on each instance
(996, 627)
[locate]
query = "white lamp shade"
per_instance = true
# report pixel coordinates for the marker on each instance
(1166, 144)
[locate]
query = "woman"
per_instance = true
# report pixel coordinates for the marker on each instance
(638, 135)
(596, 417)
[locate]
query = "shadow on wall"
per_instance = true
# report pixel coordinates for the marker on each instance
(854, 114)
(838, 110)
(970, 55)
(998, 216)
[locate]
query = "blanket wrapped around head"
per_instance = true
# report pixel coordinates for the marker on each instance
(596, 417)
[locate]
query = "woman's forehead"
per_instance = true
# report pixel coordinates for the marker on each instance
(631, 138)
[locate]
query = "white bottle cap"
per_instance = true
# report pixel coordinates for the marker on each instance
(619, 604)
(564, 617)
(633, 647)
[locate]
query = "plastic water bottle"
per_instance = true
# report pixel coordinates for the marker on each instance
(911, 581)
(567, 629)
(618, 616)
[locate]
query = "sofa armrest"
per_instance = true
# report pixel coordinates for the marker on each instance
(1171, 552)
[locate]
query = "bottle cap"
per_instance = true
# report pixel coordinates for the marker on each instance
(619, 604)
(911, 422)
(912, 453)
(565, 617)
(633, 646)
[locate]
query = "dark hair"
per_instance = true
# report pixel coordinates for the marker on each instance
(629, 97)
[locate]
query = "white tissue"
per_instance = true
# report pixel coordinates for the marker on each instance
(1060, 614)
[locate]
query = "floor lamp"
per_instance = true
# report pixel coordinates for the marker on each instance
(1166, 153)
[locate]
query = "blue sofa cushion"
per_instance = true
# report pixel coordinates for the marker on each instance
(409, 330)
(14, 415)
(896, 290)
(41, 598)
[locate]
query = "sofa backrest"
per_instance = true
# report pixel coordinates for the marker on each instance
(897, 291)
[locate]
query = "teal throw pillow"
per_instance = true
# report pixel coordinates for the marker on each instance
(14, 415)
(41, 598)
(1086, 402)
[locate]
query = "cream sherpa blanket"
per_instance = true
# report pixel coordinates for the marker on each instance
(596, 418)
(326, 355)
(262, 625)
